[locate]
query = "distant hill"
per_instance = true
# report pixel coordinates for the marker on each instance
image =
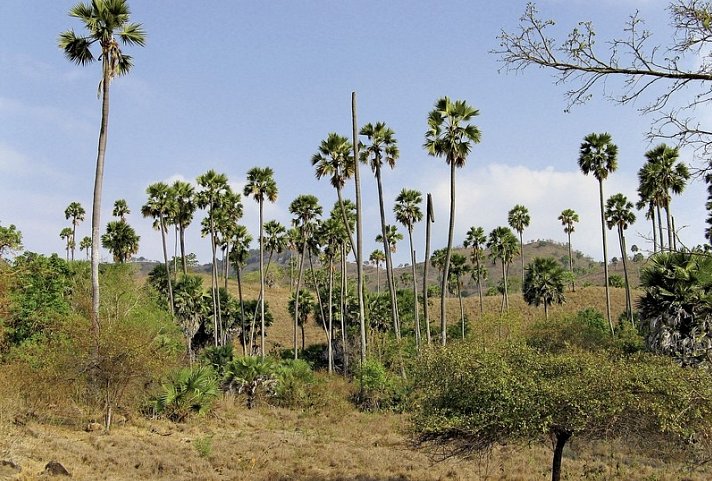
(588, 271)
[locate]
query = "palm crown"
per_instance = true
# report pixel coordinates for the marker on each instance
(103, 19)
(598, 156)
(619, 212)
(383, 147)
(334, 159)
(568, 217)
(449, 135)
(407, 208)
(261, 184)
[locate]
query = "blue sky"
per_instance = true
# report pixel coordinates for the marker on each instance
(233, 85)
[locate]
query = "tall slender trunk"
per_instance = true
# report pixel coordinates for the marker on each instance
(175, 252)
(162, 225)
(96, 205)
(342, 300)
(521, 254)
(214, 275)
(428, 221)
(262, 282)
(415, 289)
(546, 310)
(660, 227)
(378, 276)
(359, 231)
(296, 298)
(387, 251)
(330, 331)
(479, 283)
(448, 254)
(668, 219)
(182, 250)
(462, 307)
(571, 265)
(316, 287)
(505, 303)
(655, 232)
(74, 236)
(628, 300)
(605, 259)
(674, 234)
(238, 273)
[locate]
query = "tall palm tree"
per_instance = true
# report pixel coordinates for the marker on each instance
(330, 234)
(85, 245)
(76, 212)
(104, 20)
(407, 211)
(671, 177)
(214, 186)
(619, 213)
(544, 284)
(568, 218)
(383, 148)
(261, 186)
(275, 240)
(647, 202)
(450, 135)
(392, 238)
(183, 195)
(598, 155)
(158, 206)
(502, 244)
(429, 219)
(334, 159)
(359, 233)
(377, 256)
(306, 211)
(519, 219)
(476, 240)
(66, 235)
(121, 240)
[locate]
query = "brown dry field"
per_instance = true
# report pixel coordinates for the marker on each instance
(329, 443)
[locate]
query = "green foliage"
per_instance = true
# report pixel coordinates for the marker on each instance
(616, 280)
(189, 391)
(472, 399)
(295, 380)
(248, 375)
(378, 387)
(544, 283)
(217, 357)
(676, 308)
(121, 240)
(10, 240)
(203, 445)
(39, 296)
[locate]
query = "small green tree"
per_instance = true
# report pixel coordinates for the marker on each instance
(10, 239)
(544, 283)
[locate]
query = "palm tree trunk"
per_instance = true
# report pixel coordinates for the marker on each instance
(296, 299)
(316, 287)
(546, 310)
(238, 272)
(674, 234)
(415, 289)
(359, 231)
(182, 250)
(462, 307)
(162, 225)
(660, 227)
(448, 253)
(342, 300)
(213, 275)
(96, 205)
(428, 221)
(521, 254)
(330, 331)
(668, 219)
(655, 232)
(561, 438)
(74, 236)
(389, 262)
(262, 283)
(505, 293)
(175, 252)
(628, 301)
(605, 259)
(378, 276)
(571, 265)
(479, 284)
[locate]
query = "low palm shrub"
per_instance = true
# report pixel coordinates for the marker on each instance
(189, 391)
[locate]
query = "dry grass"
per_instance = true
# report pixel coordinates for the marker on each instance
(268, 443)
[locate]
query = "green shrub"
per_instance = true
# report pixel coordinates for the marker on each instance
(616, 280)
(203, 445)
(189, 391)
(378, 388)
(217, 357)
(295, 382)
(248, 375)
